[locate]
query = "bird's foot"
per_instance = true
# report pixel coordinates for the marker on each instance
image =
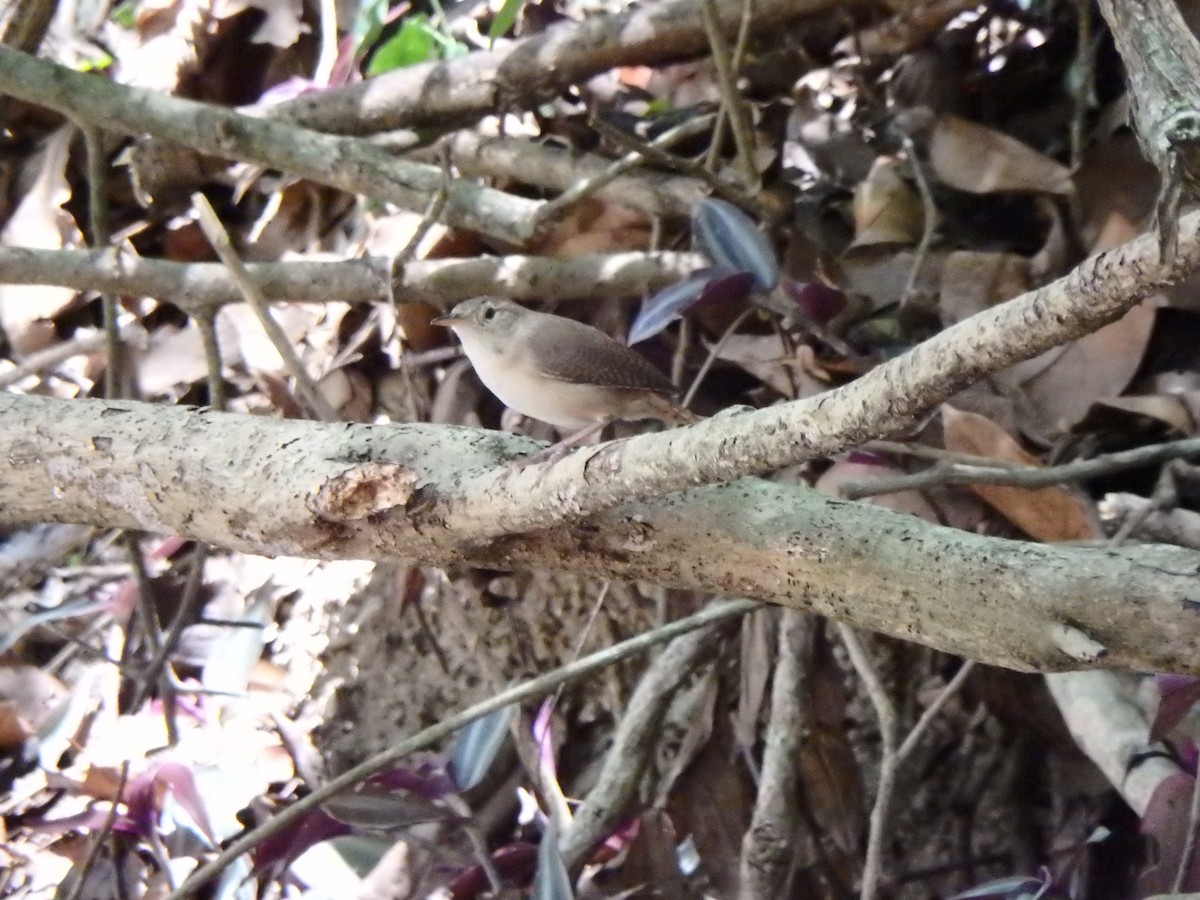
(555, 452)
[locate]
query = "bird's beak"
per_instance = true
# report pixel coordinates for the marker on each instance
(445, 321)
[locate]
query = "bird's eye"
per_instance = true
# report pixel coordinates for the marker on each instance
(489, 313)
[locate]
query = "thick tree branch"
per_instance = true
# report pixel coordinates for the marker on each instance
(202, 288)
(341, 491)
(350, 164)
(519, 73)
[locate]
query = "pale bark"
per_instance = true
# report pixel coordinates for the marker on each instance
(202, 288)
(517, 74)
(351, 164)
(353, 491)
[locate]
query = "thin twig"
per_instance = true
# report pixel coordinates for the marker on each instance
(527, 690)
(327, 59)
(1024, 476)
(724, 189)
(713, 353)
(1189, 848)
(929, 214)
(634, 742)
(97, 170)
(931, 711)
(102, 835)
(885, 711)
(587, 186)
(199, 287)
(188, 604)
(679, 357)
(207, 323)
(433, 212)
(84, 342)
(718, 129)
(154, 635)
(739, 122)
(1165, 496)
(218, 237)
(1085, 60)
(924, 451)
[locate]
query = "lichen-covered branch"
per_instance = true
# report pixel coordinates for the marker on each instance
(350, 164)
(518, 73)
(350, 491)
(202, 288)
(1162, 59)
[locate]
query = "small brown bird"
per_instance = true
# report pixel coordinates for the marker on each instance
(571, 375)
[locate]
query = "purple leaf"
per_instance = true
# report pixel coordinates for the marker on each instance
(1012, 887)
(476, 746)
(708, 286)
(665, 307)
(1179, 694)
(178, 778)
(551, 881)
(281, 849)
(819, 302)
(544, 738)
(515, 863)
(428, 781)
(371, 806)
(729, 238)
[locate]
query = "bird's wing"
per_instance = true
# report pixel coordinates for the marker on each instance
(587, 355)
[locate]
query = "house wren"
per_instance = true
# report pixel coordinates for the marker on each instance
(571, 375)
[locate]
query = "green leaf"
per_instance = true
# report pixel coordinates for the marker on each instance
(504, 19)
(124, 14)
(449, 46)
(415, 42)
(368, 24)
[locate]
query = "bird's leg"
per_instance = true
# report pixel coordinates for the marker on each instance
(555, 452)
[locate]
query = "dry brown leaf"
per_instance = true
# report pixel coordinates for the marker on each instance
(829, 770)
(974, 281)
(595, 226)
(880, 274)
(765, 357)
(241, 333)
(1098, 366)
(28, 696)
(172, 359)
(1116, 188)
(167, 32)
(1045, 514)
(756, 663)
(711, 783)
(886, 208)
(14, 728)
(980, 160)
(859, 469)
(349, 392)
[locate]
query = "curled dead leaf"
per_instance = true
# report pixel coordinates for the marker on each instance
(886, 208)
(1045, 514)
(980, 160)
